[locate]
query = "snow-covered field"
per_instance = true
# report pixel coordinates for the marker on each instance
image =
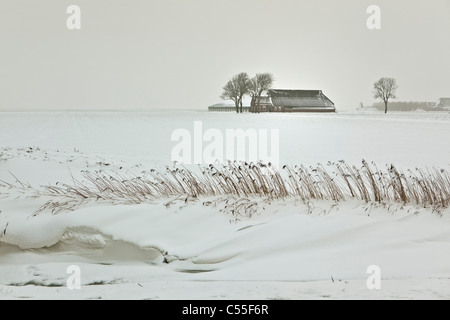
(184, 249)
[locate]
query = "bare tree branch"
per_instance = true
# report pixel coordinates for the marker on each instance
(258, 85)
(235, 90)
(231, 92)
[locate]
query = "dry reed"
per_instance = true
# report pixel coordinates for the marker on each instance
(338, 182)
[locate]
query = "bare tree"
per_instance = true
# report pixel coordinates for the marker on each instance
(231, 92)
(235, 90)
(385, 89)
(258, 85)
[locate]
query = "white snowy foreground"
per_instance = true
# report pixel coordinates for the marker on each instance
(197, 249)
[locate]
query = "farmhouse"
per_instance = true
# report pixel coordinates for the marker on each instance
(265, 105)
(281, 100)
(444, 103)
(300, 101)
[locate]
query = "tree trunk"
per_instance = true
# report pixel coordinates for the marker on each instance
(252, 105)
(385, 106)
(258, 104)
(237, 106)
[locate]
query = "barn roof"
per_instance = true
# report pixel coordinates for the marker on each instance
(300, 99)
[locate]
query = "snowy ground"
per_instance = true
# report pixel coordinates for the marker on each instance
(170, 249)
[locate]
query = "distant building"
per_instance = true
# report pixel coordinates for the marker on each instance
(412, 106)
(221, 107)
(444, 103)
(300, 101)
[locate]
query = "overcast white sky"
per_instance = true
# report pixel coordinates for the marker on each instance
(144, 54)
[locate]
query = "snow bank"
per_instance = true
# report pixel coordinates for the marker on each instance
(285, 243)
